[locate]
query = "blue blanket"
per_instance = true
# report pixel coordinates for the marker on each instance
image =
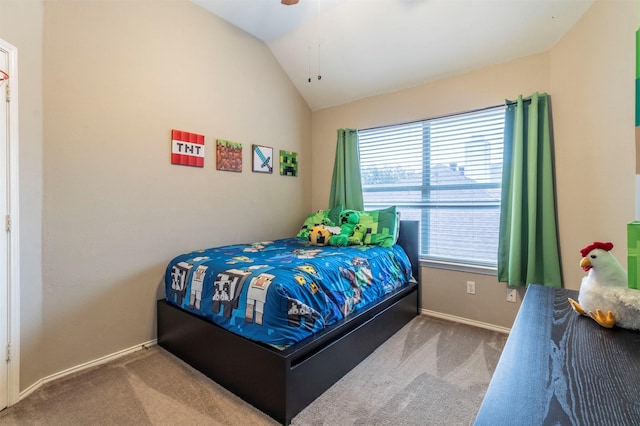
(279, 292)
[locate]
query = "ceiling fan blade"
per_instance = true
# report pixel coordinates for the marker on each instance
(289, 2)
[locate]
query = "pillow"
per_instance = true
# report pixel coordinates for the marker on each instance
(329, 217)
(381, 226)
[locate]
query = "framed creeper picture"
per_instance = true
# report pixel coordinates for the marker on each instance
(288, 163)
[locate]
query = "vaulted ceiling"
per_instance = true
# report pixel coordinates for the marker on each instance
(337, 51)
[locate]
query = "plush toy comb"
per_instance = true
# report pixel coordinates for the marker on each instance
(597, 245)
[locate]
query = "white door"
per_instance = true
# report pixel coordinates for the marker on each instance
(4, 258)
(9, 266)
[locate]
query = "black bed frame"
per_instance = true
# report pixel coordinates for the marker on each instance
(282, 383)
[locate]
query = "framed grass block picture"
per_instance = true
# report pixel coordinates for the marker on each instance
(262, 159)
(288, 163)
(228, 156)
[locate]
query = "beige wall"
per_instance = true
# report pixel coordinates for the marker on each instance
(590, 77)
(593, 89)
(116, 78)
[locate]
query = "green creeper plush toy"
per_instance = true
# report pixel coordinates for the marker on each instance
(348, 221)
(357, 237)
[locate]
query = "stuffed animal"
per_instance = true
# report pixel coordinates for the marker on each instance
(348, 221)
(604, 294)
(357, 238)
(316, 219)
(319, 236)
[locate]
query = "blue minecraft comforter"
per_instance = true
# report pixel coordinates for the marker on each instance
(279, 292)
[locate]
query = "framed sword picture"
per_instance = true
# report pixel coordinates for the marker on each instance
(262, 159)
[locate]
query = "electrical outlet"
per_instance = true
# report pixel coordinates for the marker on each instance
(511, 295)
(471, 287)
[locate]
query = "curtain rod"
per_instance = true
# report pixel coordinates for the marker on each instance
(526, 101)
(507, 103)
(437, 117)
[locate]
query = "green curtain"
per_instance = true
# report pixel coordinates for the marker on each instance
(528, 241)
(346, 183)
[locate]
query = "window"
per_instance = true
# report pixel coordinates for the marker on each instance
(445, 172)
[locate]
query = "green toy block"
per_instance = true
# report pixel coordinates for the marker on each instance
(633, 254)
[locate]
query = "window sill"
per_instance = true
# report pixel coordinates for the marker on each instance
(459, 267)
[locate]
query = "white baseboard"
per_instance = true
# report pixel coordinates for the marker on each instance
(28, 391)
(467, 321)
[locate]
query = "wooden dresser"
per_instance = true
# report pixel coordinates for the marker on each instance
(560, 368)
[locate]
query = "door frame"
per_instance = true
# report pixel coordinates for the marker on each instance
(13, 261)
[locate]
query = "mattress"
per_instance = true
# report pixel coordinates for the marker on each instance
(280, 292)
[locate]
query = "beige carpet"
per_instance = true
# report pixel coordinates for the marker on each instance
(432, 372)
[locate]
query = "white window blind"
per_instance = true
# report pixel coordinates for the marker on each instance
(445, 172)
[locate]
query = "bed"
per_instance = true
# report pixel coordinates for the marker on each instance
(282, 375)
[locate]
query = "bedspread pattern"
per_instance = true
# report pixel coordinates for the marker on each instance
(279, 292)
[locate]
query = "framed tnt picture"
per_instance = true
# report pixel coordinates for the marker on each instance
(262, 159)
(187, 149)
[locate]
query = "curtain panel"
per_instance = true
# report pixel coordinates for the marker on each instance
(528, 242)
(346, 182)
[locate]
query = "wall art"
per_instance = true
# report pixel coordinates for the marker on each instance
(288, 163)
(262, 159)
(228, 156)
(187, 149)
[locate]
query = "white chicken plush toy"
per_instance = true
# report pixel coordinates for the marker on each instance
(604, 294)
